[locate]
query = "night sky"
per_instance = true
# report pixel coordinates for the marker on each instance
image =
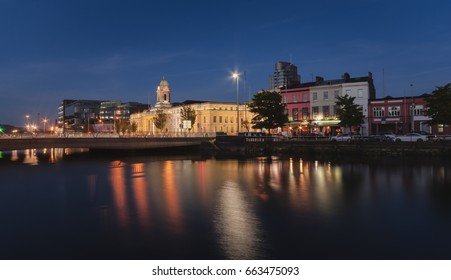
(120, 50)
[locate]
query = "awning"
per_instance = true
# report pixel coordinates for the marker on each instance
(326, 122)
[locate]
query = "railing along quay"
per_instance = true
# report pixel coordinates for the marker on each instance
(323, 147)
(101, 143)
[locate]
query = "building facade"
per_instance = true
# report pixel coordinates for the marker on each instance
(285, 75)
(400, 115)
(77, 115)
(211, 117)
(94, 115)
(311, 107)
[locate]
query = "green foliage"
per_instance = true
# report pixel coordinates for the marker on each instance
(188, 114)
(349, 113)
(439, 105)
(160, 119)
(123, 126)
(133, 127)
(269, 112)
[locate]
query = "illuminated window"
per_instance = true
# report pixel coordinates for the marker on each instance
(315, 112)
(326, 112)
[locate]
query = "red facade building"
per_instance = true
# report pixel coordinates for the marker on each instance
(401, 115)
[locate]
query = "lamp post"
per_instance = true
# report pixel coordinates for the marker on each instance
(236, 76)
(27, 123)
(45, 120)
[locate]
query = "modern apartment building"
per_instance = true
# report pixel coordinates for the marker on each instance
(94, 115)
(76, 115)
(285, 75)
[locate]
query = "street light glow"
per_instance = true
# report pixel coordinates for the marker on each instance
(236, 76)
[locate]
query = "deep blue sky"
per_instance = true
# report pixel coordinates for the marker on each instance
(120, 50)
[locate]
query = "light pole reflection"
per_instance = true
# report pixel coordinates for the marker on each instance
(117, 178)
(237, 224)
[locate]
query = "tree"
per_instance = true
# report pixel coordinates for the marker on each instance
(246, 125)
(269, 112)
(439, 105)
(160, 119)
(349, 113)
(188, 114)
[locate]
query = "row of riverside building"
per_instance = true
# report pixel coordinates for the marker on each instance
(310, 108)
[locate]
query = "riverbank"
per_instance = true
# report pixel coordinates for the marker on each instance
(247, 146)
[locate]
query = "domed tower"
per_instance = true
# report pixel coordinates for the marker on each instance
(163, 95)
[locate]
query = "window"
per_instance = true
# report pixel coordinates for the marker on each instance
(378, 112)
(394, 111)
(214, 119)
(295, 98)
(220, 119)
(305, 113)
(418, 110)
(295, 114)
(360, 93)
(326, 95)
(336, 93)
(315, 112)
(348, 92)
(284, 99)
(314, 96)
(305, 97)
(326, 113)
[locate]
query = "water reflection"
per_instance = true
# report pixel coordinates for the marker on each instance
(173, 206)
(117, 178)
(236, 223)
(30, 157)
(151, 208)
(140, 194)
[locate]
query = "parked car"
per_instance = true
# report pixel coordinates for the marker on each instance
(375, 138)
(411, 137)
(429, 136)
(387, 136)
(344, 137)
(444, 137)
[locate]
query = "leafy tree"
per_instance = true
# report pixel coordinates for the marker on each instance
(439, 105)
(122, 126)
(188, 114)
(349, 113)
(133, 127)
(269, 112)
(160, 119)
(246, 125)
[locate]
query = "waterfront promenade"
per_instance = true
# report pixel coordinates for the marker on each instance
(100, 143)
(233, 145)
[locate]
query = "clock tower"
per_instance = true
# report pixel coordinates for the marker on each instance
(163, 95)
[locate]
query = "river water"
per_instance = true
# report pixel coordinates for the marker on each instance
(63, 204)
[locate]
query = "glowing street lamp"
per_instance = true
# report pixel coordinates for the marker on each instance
(45, 120)
(27, 123)
(236, 76)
